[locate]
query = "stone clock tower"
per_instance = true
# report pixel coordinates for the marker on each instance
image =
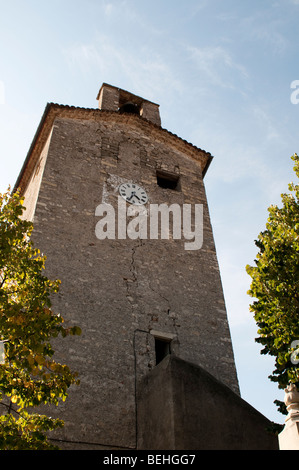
(149, 303)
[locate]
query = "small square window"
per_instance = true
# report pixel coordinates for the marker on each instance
(168, 180)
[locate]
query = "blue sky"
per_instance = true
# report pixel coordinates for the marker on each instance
(221, 71)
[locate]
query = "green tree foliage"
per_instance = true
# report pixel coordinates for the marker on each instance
(29, 375)
(275, 286)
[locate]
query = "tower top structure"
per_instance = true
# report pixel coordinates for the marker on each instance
(114, 103)
(112, 98)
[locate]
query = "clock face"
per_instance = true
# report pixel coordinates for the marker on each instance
(133, 193)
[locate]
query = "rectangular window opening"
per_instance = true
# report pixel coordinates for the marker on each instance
(162, 349)
(168, 180)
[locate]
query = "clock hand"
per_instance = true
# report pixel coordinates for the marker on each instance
(132, 194)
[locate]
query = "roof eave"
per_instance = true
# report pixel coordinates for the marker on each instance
(52, 111)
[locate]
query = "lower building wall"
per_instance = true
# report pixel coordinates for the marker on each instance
(180, 406)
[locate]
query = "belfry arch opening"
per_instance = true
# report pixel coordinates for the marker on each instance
(130, 108)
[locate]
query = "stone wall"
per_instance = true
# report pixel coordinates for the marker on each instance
(182, 407)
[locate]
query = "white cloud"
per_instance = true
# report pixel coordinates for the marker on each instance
(271, 37)
(266, 31)
(146, 71)
(217, 64)
(109, 8)
(114, 8)
(270, 131)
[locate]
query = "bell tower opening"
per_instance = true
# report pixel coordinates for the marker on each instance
(115, 99)
(130, 108)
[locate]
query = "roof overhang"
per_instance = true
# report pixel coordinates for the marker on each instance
(54, 111)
